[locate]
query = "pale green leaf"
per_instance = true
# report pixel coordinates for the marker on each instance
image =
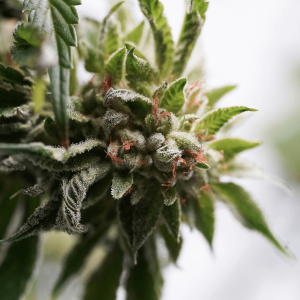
(213, 121)
(216, 94)
(232, 146)
(153, 11)
(114, 65)
(174, 97)
(121, 183)
(190, 32)
(136, 34)
(22, 112)
(247, 212)
(112, 41)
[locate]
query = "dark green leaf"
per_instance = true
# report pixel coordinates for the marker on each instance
(172, 244)
(43, 219)
(13, 278)
(244, 209)
(216, 94)
(74, 192)
(132, 218)
(13, 75)
(105, 281)
(214, 120)
(121, 183)
(153, 11)
(174, 97)
(231, 147)
(145, 281)
(170, 196)
(172, 217)
(138, 71)
(114, 65)
(138, 104)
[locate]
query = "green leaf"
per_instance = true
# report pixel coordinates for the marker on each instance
(138, 104)
(138, 71)
(174, 97)
(136, 34)
(51, 128)
(112, 42)
(106, 279)
(231, 146)
(11, 164)
(32, 48)
(190, 32)
(43, 219)
(153, 11)
(7, 206)
(60, 78)
(74, 192)
(34, 151)
(121, 183)
(172, 217)
(78, 255)
(13, 75)
(214, 120)
(170, 196)
(13, 95)
(216, 94)
(204, 216)
(8, 128)
(138, 53)
(144, 280)
(132, 218)
(245, 209)
(13, 279)
(22, 112)
(172, 244)
(56, 18)
(114, 65)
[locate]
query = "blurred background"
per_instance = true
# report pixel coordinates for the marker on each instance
(254, 44)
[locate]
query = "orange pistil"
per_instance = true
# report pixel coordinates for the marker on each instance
(92, 79)
(107, 83)
(170, 76)
(163, 115)
(155, 105)
(154, 79)
(183, 200)
(206, 137)
(197, 155)
(139, 162)
(206, 188)
(128, 192)
(87, 116)
(174, 164)
(114, 151)
(113, 144)
(168, 185)
(127, 144)
(114, 158)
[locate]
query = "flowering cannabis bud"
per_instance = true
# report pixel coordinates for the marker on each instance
(135, 151)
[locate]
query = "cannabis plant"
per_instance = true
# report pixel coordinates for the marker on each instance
(122, 160)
